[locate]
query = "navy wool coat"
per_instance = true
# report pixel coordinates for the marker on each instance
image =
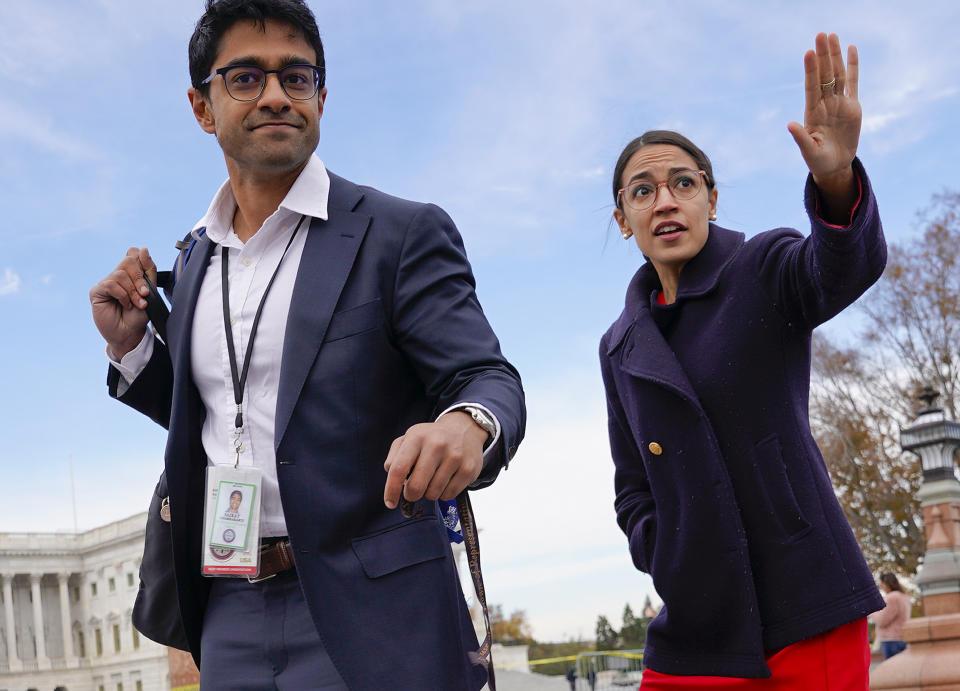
(720, 487)
(384, 331)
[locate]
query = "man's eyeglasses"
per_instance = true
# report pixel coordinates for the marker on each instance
(246, 82)
(642, 194)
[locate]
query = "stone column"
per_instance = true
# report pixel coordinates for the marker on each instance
(12, 660)
(43, 662)
(933, 640)
(88, 652)
(68, 653)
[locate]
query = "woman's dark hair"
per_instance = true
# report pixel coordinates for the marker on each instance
(220, 15)
(661, 137)
(889, 580)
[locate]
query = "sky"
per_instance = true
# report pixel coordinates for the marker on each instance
(509, 115)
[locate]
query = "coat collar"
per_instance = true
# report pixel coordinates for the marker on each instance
(699, 277)
(328, 256)
(645, 353)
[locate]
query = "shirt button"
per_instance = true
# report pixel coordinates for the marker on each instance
(655, 448)
(246, 261)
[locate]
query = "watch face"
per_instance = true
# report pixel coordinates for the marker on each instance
(483, 420)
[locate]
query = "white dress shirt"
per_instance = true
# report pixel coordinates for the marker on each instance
(250, 266)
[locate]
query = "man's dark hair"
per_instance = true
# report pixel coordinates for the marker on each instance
(220, 15)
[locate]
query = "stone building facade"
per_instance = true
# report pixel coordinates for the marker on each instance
(66, 603)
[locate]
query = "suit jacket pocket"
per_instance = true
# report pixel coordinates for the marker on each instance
(400, 546)
(355, 320)
(777, 492)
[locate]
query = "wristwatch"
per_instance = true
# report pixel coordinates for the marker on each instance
(484, 421)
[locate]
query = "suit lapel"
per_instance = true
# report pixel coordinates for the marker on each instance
(184, 304)
(328, 256)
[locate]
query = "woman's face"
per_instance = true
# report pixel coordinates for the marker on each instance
(671, 231)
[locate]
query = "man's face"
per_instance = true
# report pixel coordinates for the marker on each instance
(235, 502)
(273, 134)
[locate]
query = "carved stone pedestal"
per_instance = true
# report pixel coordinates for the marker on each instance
(931, 660)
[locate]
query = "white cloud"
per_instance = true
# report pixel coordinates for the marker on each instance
(767, 114)
(38, 128)
(10, 283)
(550, 542)
(878, 122)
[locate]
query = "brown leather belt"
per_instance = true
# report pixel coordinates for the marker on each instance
(276, 556)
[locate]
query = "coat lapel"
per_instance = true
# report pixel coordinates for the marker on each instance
(328, 256)
(647, 355)
(644, 351)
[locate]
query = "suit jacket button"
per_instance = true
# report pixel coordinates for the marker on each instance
(655, 448)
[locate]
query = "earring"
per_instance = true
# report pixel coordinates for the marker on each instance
(626, 236)
(713, 217)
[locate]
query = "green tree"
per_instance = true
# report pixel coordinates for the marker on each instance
(633, 632)
(606, 635)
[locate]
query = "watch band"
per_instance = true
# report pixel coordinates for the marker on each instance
(483, 420)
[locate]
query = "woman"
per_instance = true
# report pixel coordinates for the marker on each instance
(720, 487)
(889, 621)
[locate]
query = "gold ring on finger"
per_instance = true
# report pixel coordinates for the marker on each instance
(827, 86)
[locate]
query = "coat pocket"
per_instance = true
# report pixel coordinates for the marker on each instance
(354, 320)
(776, 491)
(400, 546)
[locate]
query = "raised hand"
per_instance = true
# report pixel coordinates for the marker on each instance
(830, 132)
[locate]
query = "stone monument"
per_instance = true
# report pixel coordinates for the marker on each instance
(932, 657)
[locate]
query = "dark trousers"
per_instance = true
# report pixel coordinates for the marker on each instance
(891, 648)
(260, 636)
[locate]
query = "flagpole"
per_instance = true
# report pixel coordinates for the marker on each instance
(73, 494)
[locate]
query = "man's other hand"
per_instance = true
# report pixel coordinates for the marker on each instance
(434, 460)
(119, 301)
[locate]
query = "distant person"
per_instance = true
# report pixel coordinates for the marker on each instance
(889, 620)
(720, 487)
(572, 677)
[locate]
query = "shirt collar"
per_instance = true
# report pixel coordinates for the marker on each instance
(307, 196)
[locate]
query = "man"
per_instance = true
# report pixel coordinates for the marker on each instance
(373, 379)
(236, 496)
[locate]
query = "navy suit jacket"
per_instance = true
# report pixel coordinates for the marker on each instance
(720, 487)
(384, 331)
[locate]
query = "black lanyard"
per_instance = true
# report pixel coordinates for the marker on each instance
(240, 379)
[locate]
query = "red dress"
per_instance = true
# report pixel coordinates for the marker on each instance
(838, 660)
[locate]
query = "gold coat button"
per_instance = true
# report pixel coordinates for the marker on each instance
(655, 448)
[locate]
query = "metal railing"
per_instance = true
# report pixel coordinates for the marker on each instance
(609, 670)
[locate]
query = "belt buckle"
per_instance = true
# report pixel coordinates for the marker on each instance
(258, 579)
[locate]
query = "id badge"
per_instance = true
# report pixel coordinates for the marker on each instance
(231, 519)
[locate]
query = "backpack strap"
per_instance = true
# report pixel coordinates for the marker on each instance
(168, 279)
